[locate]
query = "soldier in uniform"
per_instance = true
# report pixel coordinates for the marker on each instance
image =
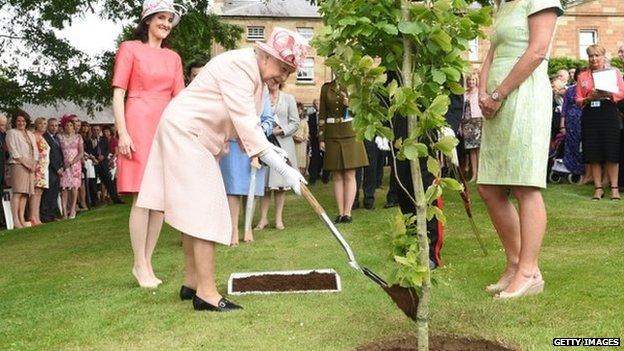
(343, 153)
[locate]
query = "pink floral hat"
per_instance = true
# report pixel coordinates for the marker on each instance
(286, 46)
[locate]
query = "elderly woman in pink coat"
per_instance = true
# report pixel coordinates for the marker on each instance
(182, 177)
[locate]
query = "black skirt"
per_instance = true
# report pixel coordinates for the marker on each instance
(601, 133)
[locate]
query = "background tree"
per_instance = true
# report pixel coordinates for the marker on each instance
(56, 70)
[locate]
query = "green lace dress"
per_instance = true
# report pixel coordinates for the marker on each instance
(514, 145)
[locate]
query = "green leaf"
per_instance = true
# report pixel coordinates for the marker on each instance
(451, 184)
(443, 40)
(392, 88)
(412, 28)
(433, 166)
(446, 144)
(366, 62)
(439, 106)
(452, 73)
(347, 21)
(438, 76)
(390, 29)
(456, 88)
(411, 152)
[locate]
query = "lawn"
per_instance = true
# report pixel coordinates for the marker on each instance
(67, 285)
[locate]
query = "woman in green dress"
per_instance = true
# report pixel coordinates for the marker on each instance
(516, 99)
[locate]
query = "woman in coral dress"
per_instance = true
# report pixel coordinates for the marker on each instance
(72, 147)
(150, 75)
(182, 177)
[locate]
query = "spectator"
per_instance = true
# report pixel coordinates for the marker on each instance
(343, 153)
(101, 153)
(301, 138)
(621, 108)
(285, 125)
(49, 204)
(315, 168)
(471, 123)
(73, 150)
(571, 127)
(600, 123)
(112, 140)
(236, 172)
(23, 158)
(86, 190)
(3, 124)
(42, 178)
(193, 69)
(563, 75)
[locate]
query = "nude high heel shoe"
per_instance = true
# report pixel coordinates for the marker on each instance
(532, 286)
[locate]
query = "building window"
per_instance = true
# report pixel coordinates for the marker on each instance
(587, 37)
(306, 32)
(473, 47)
(306, 73)
(255, 33)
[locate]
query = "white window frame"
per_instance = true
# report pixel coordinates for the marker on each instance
(473, 50)
(255, 33)
(306, 32)
(305, 75)
(583, 44)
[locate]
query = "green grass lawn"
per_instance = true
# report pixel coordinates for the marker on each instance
(68, 286)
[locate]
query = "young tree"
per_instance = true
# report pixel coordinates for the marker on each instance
(59, 71)
(424, 43)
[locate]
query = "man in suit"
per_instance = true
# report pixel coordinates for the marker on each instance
(49, 201)
(315, 169)
(101, 150)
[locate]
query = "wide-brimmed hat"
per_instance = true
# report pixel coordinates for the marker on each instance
(286, 46)
(151, 7)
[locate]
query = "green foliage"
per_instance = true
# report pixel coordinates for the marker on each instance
(557, 63)
(364, 40)
(61, 72)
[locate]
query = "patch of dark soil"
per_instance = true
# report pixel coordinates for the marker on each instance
(405, 298)
(286, 282)
(436, 343)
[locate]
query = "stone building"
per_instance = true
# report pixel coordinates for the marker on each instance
(258, 20)
(584, 23)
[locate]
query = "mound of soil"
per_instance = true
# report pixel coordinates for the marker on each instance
(436, 343)
(286, 282)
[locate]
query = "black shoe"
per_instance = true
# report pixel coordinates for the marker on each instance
(187, 293)
(338, 219)
(346, 219)
(223, 306)
(391, 204)
(356, 205)
(118, 201)
(369, 206)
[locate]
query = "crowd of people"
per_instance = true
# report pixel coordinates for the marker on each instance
(53, 156)
(587, 124)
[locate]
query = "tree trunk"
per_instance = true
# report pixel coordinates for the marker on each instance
(422, 322)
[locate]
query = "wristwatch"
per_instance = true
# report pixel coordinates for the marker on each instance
(496, 96)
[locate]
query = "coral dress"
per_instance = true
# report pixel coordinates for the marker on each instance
(152, 77)
(182, 177)
(514, 144)
(70, 146)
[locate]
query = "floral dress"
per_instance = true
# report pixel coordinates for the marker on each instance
(41, 168)
(70, 145)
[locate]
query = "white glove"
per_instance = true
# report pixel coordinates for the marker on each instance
(446, 131)
(382, 143)
(272, 158)
(281, 152)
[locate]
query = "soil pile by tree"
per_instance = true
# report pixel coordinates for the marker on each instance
(286, 282)
(436, 343)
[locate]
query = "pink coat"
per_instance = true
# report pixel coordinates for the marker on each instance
(182, 176)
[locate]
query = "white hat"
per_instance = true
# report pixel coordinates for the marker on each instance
(151, 7)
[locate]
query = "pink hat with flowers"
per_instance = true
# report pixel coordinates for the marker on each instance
(286, 46)
(151, 7)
